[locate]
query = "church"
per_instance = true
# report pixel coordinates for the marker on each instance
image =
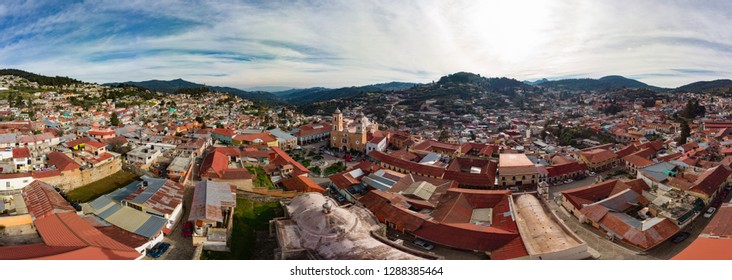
(351, 136)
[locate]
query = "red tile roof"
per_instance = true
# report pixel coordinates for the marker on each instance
(478, 149)
(451, 223)
(344, 179)
(566, 168)
(308, 129)
(70, 230)
(638, 161)
(511, 250)
(101, 132)
(412, 167)
(119, 140)
(78, 141)
(280, 157)
(376, 139)
(224, 131)
(589, 194)
(459, 170)
(61, 161)
(21, 152)
(435, 146)
(46, 174)
(122, 236)
(216, 165)
(598, 155)
(711, 180)
(466, 236)
(707, 249)
(42, 200)
(165, 199)
(265, 137)
(32, 251)
(721, 223)
(669, 157)
(387, 207)
(301, 184)
(627, 151)
(95, 144)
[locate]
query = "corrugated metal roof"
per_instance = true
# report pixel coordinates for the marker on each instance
(151, 227)
(124, 217)
(127, 218)
(121, 193)
(153, 185)
(109, 211)
(101, 203)
(208, 199)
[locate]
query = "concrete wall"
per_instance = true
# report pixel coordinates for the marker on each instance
(242, 184)
(69, 180)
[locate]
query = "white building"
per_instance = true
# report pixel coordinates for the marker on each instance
(13, 183)
(145, 155)
(376, 144)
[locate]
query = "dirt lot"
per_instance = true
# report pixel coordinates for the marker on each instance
(19, 235)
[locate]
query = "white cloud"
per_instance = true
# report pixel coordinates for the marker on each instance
(340, 43)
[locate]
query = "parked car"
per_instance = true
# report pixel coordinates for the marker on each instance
(568, 181)
(187, 229)
(158, 250)
(424, 244)
(710, 212)
(593, 173)
(681, 236)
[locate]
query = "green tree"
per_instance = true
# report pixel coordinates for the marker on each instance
(444, 136)
(114, 120)
(693, 109)
(685, 133)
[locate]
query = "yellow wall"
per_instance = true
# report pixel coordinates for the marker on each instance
(508, 179)
(16, 220)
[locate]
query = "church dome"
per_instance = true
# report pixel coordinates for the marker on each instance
(320, 219)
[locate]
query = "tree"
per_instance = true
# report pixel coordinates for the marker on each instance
(114, 120)
(685, 133)
(444, 136)
(693, 109)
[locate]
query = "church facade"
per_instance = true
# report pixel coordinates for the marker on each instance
(353, 135)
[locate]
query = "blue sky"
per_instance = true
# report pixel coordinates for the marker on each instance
(342, 43)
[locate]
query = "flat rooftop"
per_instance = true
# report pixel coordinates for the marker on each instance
(514, 160)
(540, 232)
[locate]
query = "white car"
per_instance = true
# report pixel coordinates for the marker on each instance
(593, 173)
(710, 212)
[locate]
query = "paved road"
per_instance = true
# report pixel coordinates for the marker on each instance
(555, 190)
(448, 253)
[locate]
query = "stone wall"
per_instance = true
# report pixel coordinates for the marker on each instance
(275, 193)
(69, 180)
